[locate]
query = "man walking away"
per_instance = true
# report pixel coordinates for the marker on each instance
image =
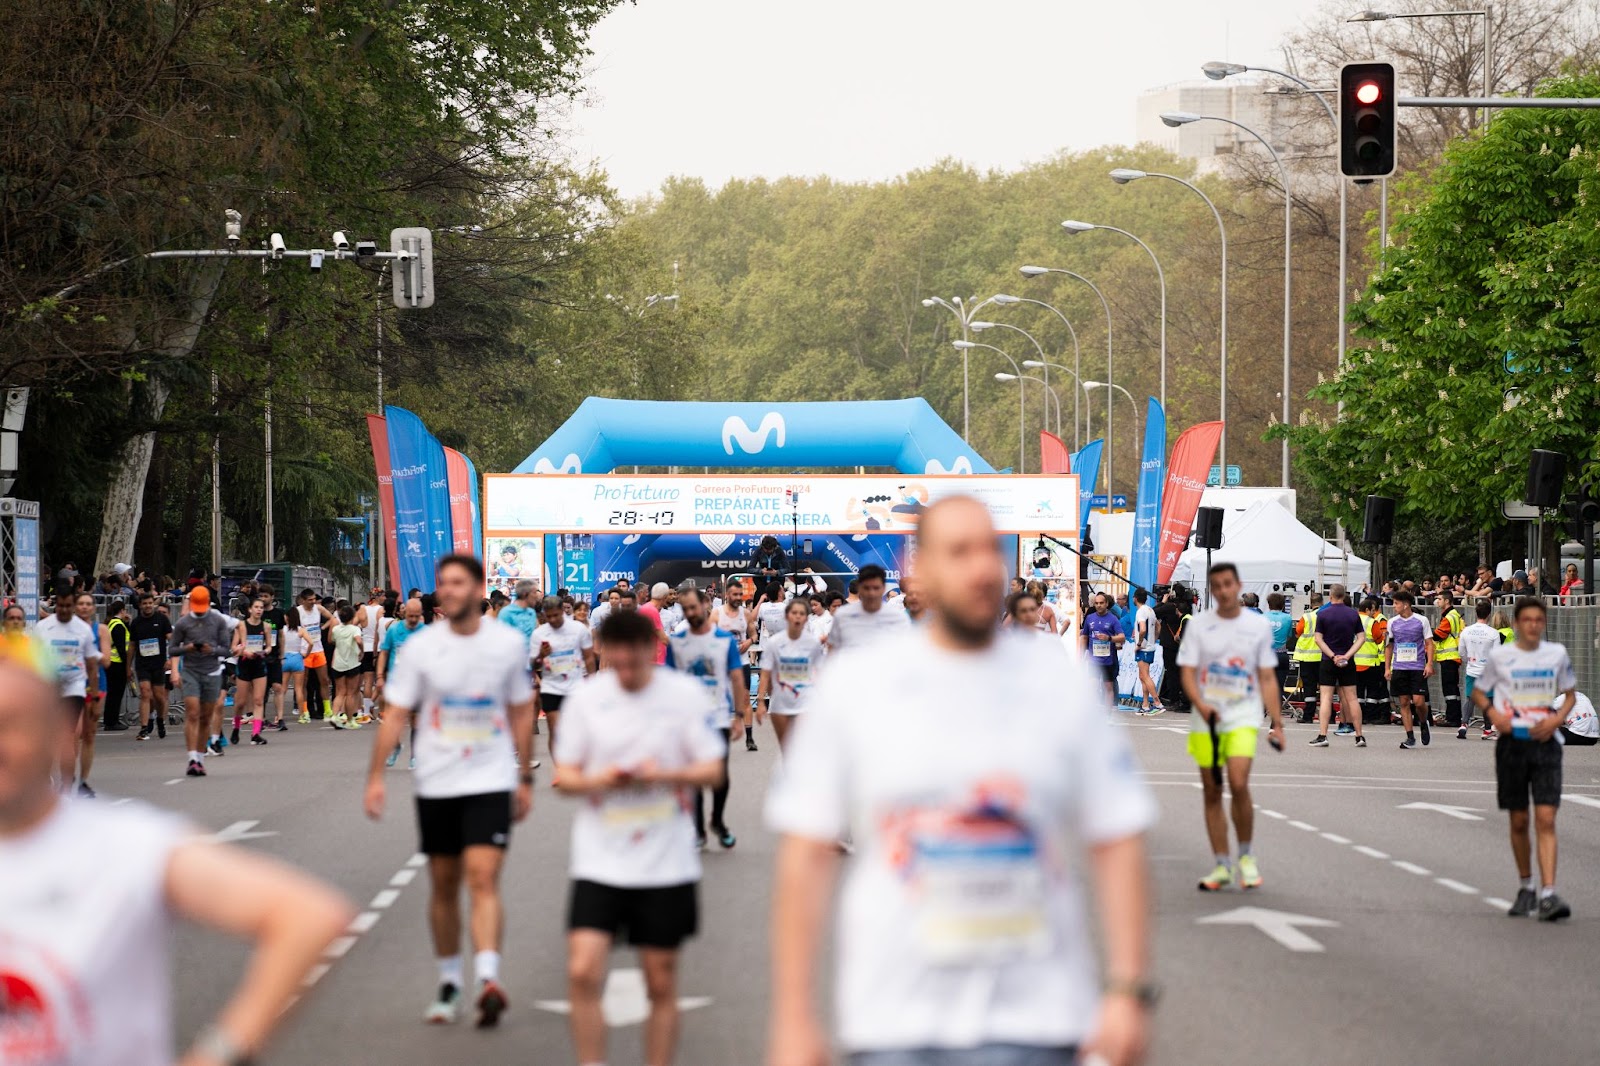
(1478, 642)
(1526, 679)
(1338, 633)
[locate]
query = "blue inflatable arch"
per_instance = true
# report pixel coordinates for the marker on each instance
(604, 434)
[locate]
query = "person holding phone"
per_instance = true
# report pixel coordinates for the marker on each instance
(200, 638)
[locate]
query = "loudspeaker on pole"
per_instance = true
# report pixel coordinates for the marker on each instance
(1546, 472)
(1379, 526)
(1208, 528)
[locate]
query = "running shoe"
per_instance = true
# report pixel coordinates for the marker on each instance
(337, 721)
(1361, 741)
(724, 836)
(394, 757)
(305, 718)
(1319, 741)
(196, 768)
(1345, 730)
(144, 734)
(750, 743)
(215, 746)
(1525, 905)
(363, 719)
(700, 841)
(1217, 879)
(162, 727)
(1461, 734)
(257, 740)
(412, 765)
(233, 738)
(491, 1004)
(281, 726)
(352, 723)
(1249, 872)
(1426, 736)
(1553, 908)
(1155, 709)
(85, 791)
(1490, 734)
(446, 1006)
(1408, 743)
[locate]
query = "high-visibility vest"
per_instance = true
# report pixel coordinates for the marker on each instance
(111, 627)
(1369, 654)
(1508, 635)
(1305, 649)
(1448, 648)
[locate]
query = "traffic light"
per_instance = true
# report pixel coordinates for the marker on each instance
(1367, 103)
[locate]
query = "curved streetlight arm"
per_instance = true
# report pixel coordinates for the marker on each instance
(1022, 439)
(1077, 361)
(1105, 304)
(1161, 277)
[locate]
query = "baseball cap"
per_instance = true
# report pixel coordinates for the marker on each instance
(121, 568)
(200, 598)
(1521, 575)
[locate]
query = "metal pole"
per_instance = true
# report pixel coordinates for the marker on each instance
(966, 377)
(270, 537)
(1288, 282)
(216, 482)
(1383, 220)
(1488, 75)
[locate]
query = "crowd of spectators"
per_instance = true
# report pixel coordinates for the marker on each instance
(1484, 584)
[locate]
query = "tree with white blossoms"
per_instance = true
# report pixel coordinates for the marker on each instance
(1492, 284)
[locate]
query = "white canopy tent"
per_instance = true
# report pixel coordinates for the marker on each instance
(1274, 551)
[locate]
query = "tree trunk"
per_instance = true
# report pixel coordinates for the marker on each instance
(125, 493)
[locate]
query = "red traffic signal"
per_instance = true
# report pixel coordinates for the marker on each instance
(1367, 106)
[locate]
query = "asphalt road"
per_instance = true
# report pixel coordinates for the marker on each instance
(1378, 937)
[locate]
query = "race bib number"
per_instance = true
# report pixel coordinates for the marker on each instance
(562, 663)
(1100, 647)
(632, 814)
(69, 656)
(254, 643)
(1405, 653)
(1531, 693)
(149, 649)
(794, 672)
(468, 719)
(1227, 683)
(981, 894)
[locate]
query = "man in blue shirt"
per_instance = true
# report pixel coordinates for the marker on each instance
(522, 613)
(1282, 630)
(1101, 636)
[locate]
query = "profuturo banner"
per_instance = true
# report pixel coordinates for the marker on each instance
(458, 478)
(1086, 468)
(886, 503)
(378, 433)
(1180, 499)
(411, 452)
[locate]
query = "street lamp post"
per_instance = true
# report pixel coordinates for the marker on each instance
(979, 327)
(1182, 118)
(1138, 447)
(1486, 13)
(965, 312)
(1077, 387)
(1077, 365)
(1039, 271)
(1072, 225)
(1122, 176)
(1050, 393)
(1022, 411)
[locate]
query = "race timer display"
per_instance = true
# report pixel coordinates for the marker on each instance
(636, 518)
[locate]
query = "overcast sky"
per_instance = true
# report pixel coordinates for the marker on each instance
(868, 89)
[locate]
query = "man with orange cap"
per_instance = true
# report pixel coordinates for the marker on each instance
(199, 641)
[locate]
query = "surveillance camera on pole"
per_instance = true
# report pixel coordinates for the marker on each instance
(233, 227)
(413, 267)
(278, 247)
(316, 260)
(341, 243)
(364, 249)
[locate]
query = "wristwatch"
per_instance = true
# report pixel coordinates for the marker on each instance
(1145, 993)
(526, 778)
(213, 1043)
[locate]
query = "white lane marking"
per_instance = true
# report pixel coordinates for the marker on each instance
(1334, 838)
(1308, 827)
(1587, 801)
(624, 1001)
(120, 802)
(240, 831)
(315, 974)
(402, 878)
(362, 922)
(1274, 814)
(1455, 886)
(1412, 868)
(1497, 902)
(339, 947)
(1448, 809)
(1371, 853)
(1279, 925)
(384, 899)
(175, 781)
(417, 860)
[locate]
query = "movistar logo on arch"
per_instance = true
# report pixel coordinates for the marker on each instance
(636, 493)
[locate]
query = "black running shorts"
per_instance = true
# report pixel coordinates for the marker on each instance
(1522, 767)
(647, 917)
(1333, 675)
(369, 662)
(1408, 683)
(550, 702)
(450, 825)
(252, 669)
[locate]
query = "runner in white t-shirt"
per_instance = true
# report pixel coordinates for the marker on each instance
(711, 656)
(88, 893)
(1230, 674)
(963, 929)
(634, 739)
(77, 658)
(870, 617)
(769, 621)
(1145, 630)
(467, 681)
(789, 664)
(1478, 642)
(370, 616)
(563, 654)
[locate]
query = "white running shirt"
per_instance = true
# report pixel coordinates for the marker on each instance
(793, 665)
(74, 645)
(1228, 654)
(311, 622)
(1478, 641)
(638, 837)
(85, 971)
(460, 689)
(853, 626)
(961, 917)
(1525, 684)
(373, 630)
(564, 667)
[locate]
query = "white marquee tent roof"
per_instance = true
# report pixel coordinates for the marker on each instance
(1272, 547)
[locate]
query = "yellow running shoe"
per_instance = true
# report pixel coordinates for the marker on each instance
(1217, 879)
(1249, 872)
(305, 718)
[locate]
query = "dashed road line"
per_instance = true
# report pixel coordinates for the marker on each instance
(339, 947)
(384, 899)
(1371, 853)
(1273, 814)
(1334, 838)
(402, 878)
(1411, 868)
(175, 781)
(361, 923)
(1497, 902)
(315, 974)
(1455, 886)
(1307, 826)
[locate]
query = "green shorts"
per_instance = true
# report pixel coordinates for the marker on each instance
(1236, 744)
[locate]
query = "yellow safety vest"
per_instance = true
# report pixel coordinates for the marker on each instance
(1305, 649)
(1448, 650)
(1369, 654)
(110, 626)
(1507, 635)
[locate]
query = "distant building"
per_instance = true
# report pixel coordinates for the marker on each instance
(1212, 144)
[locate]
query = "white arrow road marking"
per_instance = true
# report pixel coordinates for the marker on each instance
(1587, 801)
(1279, 925)
(1463, 813)
(624, 1001)
(239, 831)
